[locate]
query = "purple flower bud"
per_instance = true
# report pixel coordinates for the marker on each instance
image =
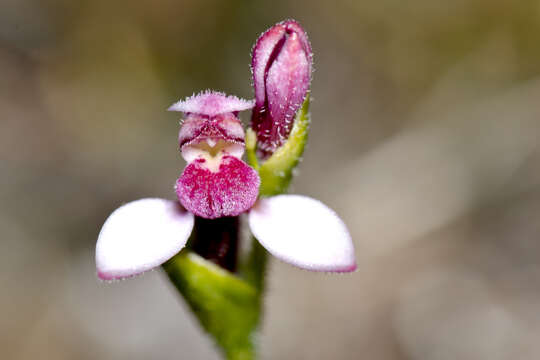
(281, 66)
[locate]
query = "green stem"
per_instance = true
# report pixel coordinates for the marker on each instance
(276, 172)
(227, 307)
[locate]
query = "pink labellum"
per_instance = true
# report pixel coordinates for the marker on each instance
(216, 187)
(303, 232)
(211, 103)
(141, 235)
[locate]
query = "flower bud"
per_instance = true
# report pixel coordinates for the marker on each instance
(281, 67)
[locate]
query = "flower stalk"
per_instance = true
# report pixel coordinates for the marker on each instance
(227, 307)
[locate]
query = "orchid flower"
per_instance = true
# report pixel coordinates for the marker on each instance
(217, 187)
(143, 234)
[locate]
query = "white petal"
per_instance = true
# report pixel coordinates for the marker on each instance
(303, 232)
(141, 235)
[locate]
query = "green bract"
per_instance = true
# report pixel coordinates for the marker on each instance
(276, 172)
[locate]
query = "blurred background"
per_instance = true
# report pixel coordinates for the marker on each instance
(425, 139)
